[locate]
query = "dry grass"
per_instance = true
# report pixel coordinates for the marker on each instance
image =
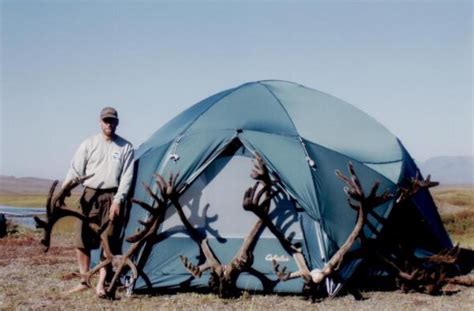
(35, 280)
(456, 207)
(32, 200)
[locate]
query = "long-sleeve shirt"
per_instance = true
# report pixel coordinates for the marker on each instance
(111, 162)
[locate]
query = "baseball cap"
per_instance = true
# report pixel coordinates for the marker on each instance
(109, 112)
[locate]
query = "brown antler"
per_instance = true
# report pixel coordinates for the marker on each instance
(448, 256)
(256, 199)
(428, 275)
(150, 226)
(253, 202)
(415, 184)
(56, 209)
(357, 200)
(417, 278)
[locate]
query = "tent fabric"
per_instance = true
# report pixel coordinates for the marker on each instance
(303, 135)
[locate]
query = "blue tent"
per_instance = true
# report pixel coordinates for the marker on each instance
(303, 135)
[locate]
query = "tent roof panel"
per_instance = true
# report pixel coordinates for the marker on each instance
(249, 107)
(335, 124)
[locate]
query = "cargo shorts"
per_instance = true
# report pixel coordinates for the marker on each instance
(95, 205)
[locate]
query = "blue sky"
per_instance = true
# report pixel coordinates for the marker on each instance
(406, 63)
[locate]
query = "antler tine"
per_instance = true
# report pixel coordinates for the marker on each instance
(253, 202)
(152, 194)
(248, 202)
(160, 181)
(373, 191)
(281, 274)
(354, 191)
(104, 237)
(195, 270)
(172, 179)
(171, 190)
(260, 171)
(50, 197)
(449, 256)
(415, 184)
(211, 261)
(144, 205)
(427, 183)
(154, 212)
(66, 190)
(137, 236)
(343, 177)
(357, 186)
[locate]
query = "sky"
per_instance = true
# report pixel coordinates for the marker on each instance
(408, 64)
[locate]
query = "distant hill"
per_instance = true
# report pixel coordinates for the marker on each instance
(24, 185)
(449, 170)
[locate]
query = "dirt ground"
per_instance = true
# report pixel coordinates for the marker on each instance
(34, 280)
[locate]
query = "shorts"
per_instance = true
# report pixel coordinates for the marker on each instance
(95, 204)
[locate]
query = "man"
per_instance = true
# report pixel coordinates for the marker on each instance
(109, 158)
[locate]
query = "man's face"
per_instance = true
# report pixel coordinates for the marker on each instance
(109, 125)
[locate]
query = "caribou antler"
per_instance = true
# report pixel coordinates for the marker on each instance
(448, 256)
(428, 275)
(357, 200)
(56, 209)
(415, 184)
(256, 199)
(415, 277)
(150, 226)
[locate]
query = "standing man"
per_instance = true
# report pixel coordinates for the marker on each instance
(109, 158)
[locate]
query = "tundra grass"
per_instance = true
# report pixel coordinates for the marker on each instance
(31, 200)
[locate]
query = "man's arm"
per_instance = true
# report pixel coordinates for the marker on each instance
(124, 185)
(78, 164)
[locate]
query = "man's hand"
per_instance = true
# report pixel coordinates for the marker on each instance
(114, 210)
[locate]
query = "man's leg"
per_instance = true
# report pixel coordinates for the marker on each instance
(100, 288)
(83, 260)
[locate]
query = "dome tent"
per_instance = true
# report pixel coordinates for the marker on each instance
(303, 135)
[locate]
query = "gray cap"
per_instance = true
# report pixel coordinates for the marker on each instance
(108, 112)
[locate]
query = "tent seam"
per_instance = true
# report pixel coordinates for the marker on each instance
(212, 105)
(281, 105)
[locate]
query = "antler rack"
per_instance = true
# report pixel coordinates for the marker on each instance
(56, 209)
(223, 277)
(357, 200)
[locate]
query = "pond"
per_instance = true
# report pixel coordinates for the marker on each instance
(22, 215)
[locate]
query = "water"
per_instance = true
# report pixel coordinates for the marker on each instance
(12, 212)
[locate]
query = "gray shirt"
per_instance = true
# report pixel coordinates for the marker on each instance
(111, 162)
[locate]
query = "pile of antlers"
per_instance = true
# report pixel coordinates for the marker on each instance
(427, 275)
